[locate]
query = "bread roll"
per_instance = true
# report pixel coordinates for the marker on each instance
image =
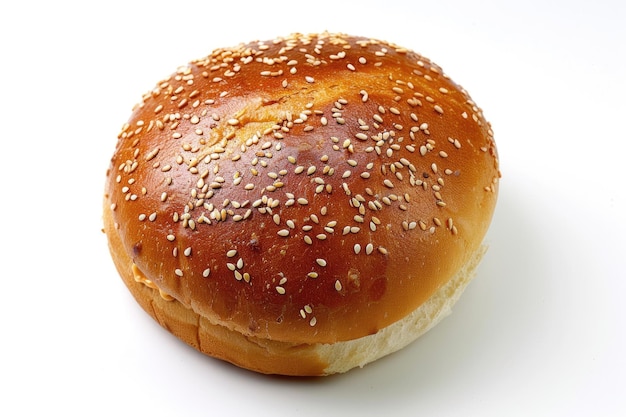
(301, 206)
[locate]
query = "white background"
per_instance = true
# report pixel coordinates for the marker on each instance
(541, 331)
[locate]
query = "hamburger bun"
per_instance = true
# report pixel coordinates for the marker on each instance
(301, 206)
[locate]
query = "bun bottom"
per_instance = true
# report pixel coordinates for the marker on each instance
(273, 357)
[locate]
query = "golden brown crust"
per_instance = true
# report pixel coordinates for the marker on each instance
(311, 189)
(284, 358)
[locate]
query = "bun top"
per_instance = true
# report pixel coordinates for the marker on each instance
(308, 189)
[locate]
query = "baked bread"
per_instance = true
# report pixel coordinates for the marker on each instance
(301, 206)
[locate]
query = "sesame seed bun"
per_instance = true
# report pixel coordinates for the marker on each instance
(304, 205)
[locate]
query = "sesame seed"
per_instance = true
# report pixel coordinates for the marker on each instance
(312, 275)
(178, 272)
(231, 253)
(152, 154)
(313, 322)
(280, 290)
(171, 238)
(369, 249)
(206, 272)
(321, 262)
(338, 285)
(187, 251)
(283, 232)
(309, 79)
(388, 183)
(357, 248)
